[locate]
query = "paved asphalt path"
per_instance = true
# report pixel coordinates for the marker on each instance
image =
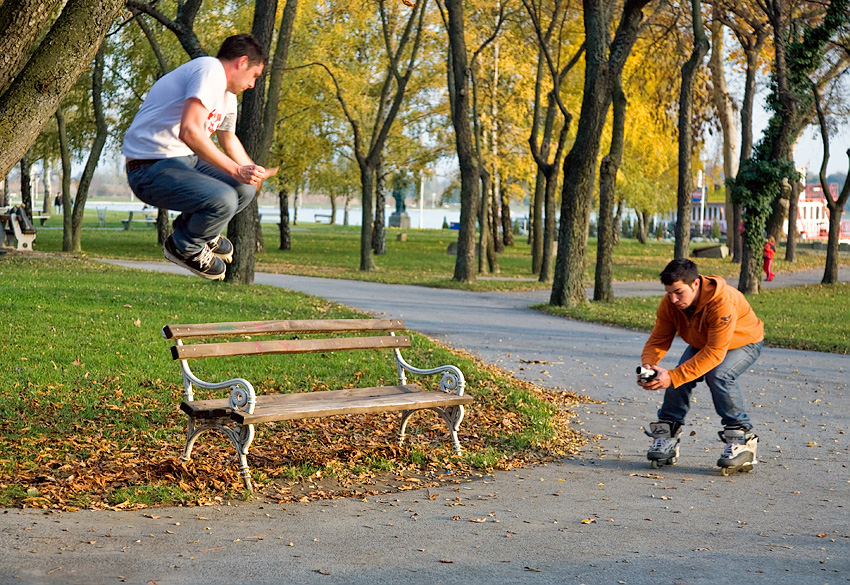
(603, 517)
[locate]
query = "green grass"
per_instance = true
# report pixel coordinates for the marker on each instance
(334, 252)
(812, 317)
(89, 412)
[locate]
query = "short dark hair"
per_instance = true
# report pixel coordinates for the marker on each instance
(679, 269)
(243, 45)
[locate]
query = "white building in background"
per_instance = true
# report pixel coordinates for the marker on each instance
(813, 213)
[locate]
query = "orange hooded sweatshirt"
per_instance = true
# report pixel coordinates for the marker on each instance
(722, 320)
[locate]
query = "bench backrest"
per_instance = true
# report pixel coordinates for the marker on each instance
(205, 331)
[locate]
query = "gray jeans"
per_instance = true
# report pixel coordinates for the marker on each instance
(206, 197)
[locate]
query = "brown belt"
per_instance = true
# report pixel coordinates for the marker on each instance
(134, 164)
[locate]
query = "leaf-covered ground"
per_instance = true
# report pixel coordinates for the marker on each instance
(89, 408)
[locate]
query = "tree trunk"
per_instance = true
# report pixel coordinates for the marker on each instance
(749, 281)
(46, 171)
(603, 62)
(507, 222)
(28, 102)
(495, 216)
(333, 209)
(379, 233)
(642, 227)
(367, 189)
(65, 152)
(21, 22)
(726, 114)
(243, 228)
(603, 289)
(487, 260)
(484, 239)
(94, 155)
(163, 226)
(686, 134)
(548, 222)
(283, 203)
(779, 212)
(791, 242)
(535, 226)
(26, 183)
(617, 223)
(469, 177)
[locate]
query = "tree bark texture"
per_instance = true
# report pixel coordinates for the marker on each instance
(26, 183)
(507, 222)
(367, 191)
(65, 152)
(749, 281)
(535, 227)
(469, 194)
(793, 213)
(283, 204)
(21, 22)
(686, 134)
(28, 102)
(379, 232)
(101, 134)
(603, 288)
(726, 115)
(603, 62)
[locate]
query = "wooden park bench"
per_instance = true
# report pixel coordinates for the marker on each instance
(147, 220)
(18, 227)
(236, 415)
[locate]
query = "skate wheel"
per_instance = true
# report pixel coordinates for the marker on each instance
(655, 464)
(725, 471)
(747, 468)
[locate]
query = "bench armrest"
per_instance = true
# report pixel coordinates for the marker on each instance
(242, 395)
(451, 382)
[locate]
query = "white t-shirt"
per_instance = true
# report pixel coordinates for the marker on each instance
(154, 132)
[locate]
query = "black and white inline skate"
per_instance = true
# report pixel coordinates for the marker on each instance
(740, 453)
(665, 446)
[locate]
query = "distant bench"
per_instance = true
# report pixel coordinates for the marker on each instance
(147, 219)
(18, 227)
(236, 416)
(323, 217)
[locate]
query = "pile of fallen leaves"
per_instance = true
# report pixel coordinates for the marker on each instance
(350, 456)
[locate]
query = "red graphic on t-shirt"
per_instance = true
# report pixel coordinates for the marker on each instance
(213, 121)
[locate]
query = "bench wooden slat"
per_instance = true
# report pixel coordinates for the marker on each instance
(287, 346)
(272, 327)
(277, 407)
(216, 407)
(352, 405)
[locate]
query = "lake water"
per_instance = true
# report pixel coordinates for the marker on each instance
(432, 218)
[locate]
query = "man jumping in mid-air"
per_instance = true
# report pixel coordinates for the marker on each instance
(173, 163)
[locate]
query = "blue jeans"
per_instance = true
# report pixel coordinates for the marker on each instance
(207, 197)
(723, 383)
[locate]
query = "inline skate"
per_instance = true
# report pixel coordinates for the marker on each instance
(740, 451)
(665, 447)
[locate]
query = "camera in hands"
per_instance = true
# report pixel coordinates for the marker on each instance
(645, 374)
